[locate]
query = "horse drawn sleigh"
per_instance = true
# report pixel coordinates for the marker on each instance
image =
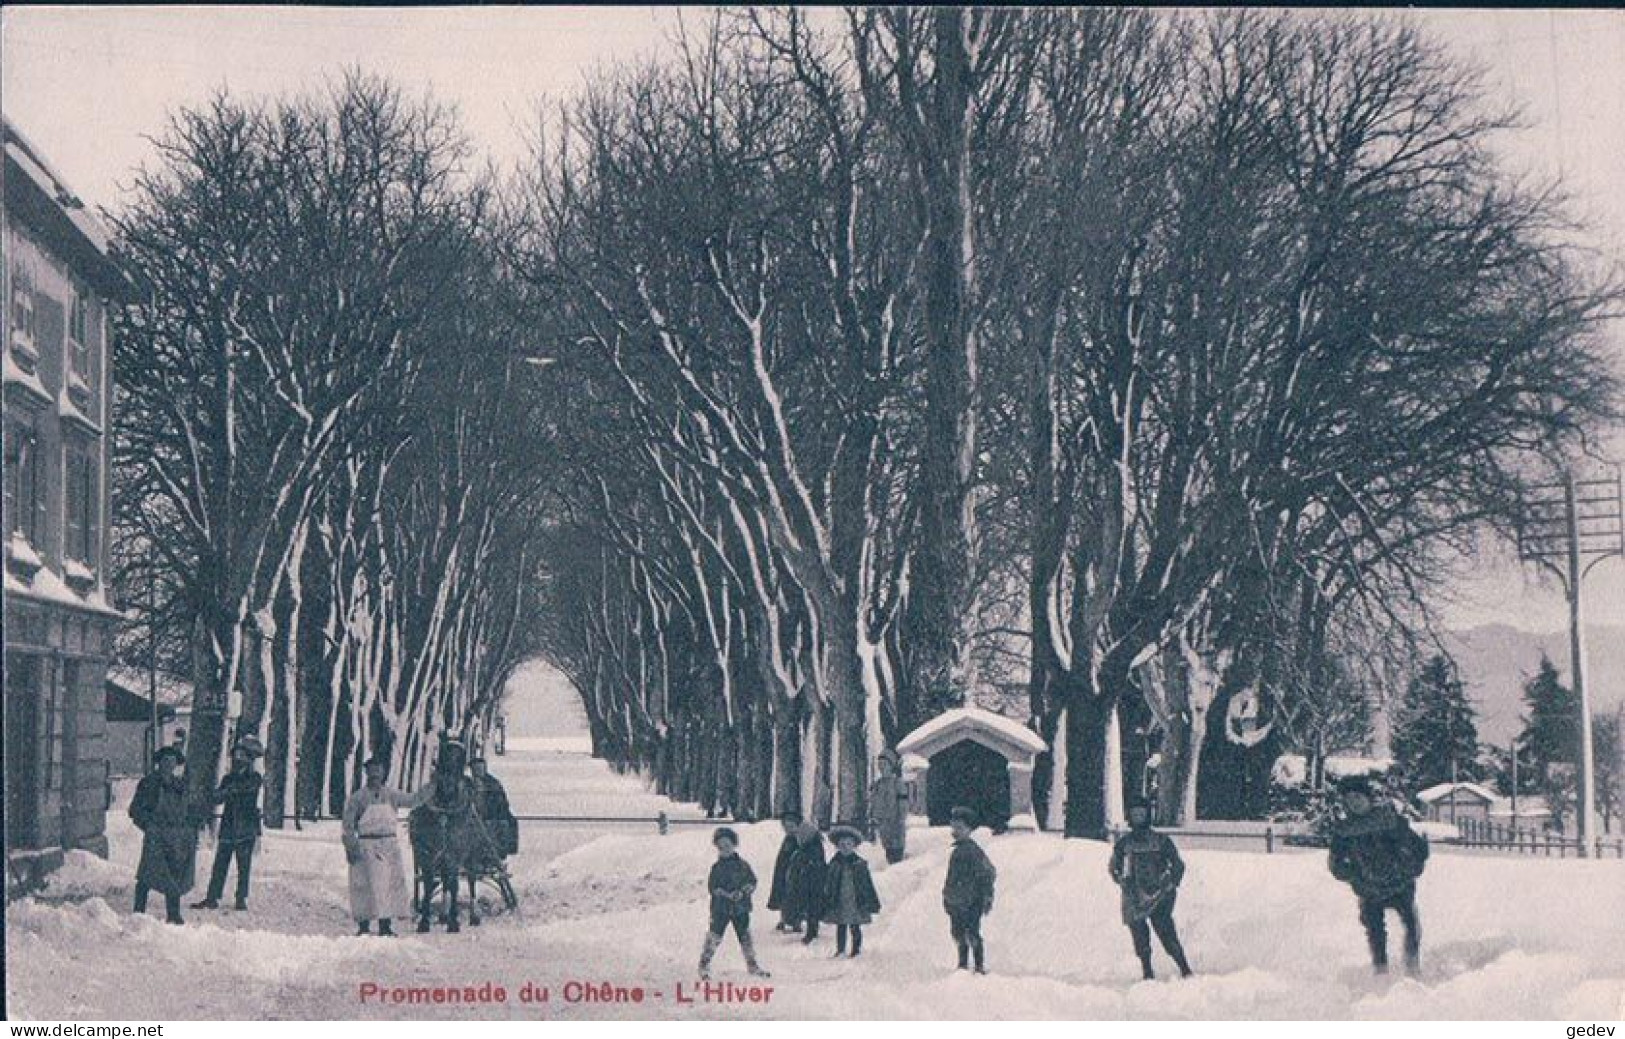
(464, 831)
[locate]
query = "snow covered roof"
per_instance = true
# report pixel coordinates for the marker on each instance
(172, 691)
(1442, 790)
(1009, 738)
(58, 212)
(1338, 765)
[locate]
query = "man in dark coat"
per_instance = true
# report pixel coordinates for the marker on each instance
(730, 884)
(967, 893)
(168, 828)
(494, 810)
(239, 792)
(1147, 866)
(1375, 851)
(778, 895)
(849, 899)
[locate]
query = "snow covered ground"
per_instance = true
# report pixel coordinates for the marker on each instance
(1271, 936)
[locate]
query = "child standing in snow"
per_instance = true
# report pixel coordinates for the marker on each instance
(850, 900)
(967, 893)
(730, 883)
(804, 881)
(1147, 866)
(778, 895)
(1375, 851)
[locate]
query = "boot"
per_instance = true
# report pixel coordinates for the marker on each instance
(241, 905)
(365, 927)
(207, 903)
(1413, 964)
(423, 924)
(710, 950)
(964, 956)
(1178, 954)
(386, 928)
(452, 926)
(976, 949)
(748, 947)
(1145, 970)
(857, 941)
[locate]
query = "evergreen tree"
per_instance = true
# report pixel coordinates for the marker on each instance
(1551, 728)
(1606, 750)
(1436, 729)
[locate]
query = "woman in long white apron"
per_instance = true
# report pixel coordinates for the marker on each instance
(378, 888)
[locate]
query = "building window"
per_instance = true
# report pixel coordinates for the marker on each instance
(79, 481)
(23, 498)
(79, 335)
(22, 310)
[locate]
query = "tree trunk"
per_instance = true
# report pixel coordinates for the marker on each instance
(1088, 716)
(940, 609)
(786, 759)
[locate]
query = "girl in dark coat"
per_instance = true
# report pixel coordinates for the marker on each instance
(778, 895)
(168, 835)
(804, 881)
(850, 900)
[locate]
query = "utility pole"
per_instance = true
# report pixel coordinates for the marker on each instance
(152, 672)
(1579, 521)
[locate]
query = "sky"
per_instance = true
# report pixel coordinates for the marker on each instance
(91, 85)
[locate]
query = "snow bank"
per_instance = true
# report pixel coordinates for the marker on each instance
(83, 875)
(1271, 936)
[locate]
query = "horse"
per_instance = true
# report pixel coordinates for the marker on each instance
(443, 832)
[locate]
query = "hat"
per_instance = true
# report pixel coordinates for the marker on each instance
(962, 814)
(379, 758)
(249, 744)
(169, 752)
(723, 832)
(844, 830)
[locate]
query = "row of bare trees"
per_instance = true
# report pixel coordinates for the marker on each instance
(321, 515)
(1145, 371)
(1179, 353)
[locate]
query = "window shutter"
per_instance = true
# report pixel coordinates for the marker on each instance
(74, 487)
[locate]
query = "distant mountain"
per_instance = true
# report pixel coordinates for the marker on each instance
(1496, 659)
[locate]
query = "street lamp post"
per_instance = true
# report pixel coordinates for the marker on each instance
(1578, 521)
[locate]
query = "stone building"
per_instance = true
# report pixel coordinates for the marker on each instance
(59, 625)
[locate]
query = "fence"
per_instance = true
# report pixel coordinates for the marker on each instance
(1481, 833)
(1473, 834)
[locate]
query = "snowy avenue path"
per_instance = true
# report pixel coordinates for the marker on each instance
(1270, 936)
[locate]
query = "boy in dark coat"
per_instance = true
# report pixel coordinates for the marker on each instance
(967, 893)
(1375, 851)
(850, 900)
(1147, 866)
(168, 828)
(731, 883)
(239, 791)
(778, 895)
